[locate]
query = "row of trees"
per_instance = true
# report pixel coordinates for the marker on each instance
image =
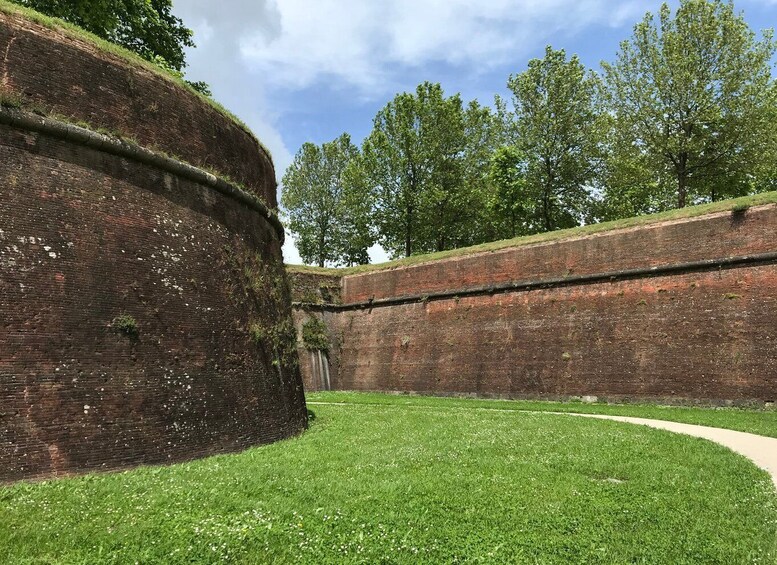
(683, 115)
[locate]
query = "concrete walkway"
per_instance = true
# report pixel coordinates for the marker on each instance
(760, 450)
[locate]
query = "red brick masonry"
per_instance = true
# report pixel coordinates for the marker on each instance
(93, 230)
(680, 311)
(73, 78)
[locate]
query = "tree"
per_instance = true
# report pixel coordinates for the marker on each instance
(484, 134)
(692, 100)
(508, 204)
(556, 131)
(355, 218)
(414, 159)
(327, 203)
(146, 27)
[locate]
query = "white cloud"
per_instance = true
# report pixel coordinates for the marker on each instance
(249, 50)
(218, 31)
(363, 43)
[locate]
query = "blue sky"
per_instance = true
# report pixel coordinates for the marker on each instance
(309, 70)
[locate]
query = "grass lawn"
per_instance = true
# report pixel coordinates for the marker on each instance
(761, 422)
(397, 483)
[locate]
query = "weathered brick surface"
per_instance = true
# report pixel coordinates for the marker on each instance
(314, 288)
(701, 336)
(697, 239)
(74, 79)
(670, 337)
(86, 237)
(310, 361)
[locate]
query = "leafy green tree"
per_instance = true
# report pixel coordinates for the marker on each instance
(327, 203)
(629, 185)
(484, 134)
(693, 105)
(557, 132)
(355, 218)
(509, 205)
(414, 158)
(147, 27)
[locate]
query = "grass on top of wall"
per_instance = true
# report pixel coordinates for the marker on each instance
(762, 422)
(133, 59)
(412, 484)
(739, 205)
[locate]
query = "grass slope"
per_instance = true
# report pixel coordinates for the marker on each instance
(736, 204)
(761, 422)
(402, 484)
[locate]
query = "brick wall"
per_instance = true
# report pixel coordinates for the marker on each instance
(87, 237)
(658, 312)
(90, 235)
(73, 78)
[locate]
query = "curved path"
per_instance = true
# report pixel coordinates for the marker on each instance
(760, 450)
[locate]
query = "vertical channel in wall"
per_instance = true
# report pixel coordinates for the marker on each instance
(319, 342)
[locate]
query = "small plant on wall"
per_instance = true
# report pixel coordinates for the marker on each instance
(257, 333)
(125, 325)
(314, 335)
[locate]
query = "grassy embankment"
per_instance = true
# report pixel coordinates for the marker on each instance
(755, 421)
(736, 205)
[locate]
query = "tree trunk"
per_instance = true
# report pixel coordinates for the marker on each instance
(321, 249)
(409, 232)
(546, 195)
(682, 181)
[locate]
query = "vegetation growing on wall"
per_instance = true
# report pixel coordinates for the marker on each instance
(314, 335)
(260, 288)
(126, 325)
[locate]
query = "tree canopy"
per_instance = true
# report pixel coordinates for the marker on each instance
(557, 134)
(328, 204)
(693, 103)
(685, 114)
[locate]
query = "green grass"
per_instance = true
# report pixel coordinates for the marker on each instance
(127, 56)
(411, 484)
(761, 422)
(738, 205)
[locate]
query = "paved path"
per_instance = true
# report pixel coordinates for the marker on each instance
(760, 450)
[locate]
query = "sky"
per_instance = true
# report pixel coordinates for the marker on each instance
(309, 70)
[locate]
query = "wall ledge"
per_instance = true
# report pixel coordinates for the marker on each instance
(126, 149)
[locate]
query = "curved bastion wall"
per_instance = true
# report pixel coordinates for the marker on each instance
(65, 75)
(144, 308)
(677, 311)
